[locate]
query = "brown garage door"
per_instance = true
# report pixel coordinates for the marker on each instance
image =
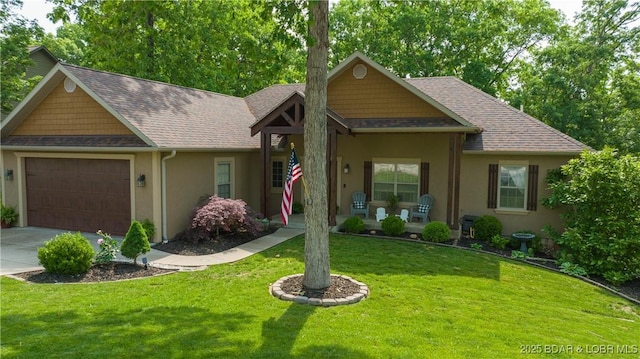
(79, 194)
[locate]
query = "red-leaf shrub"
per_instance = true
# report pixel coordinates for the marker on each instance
(226, 215)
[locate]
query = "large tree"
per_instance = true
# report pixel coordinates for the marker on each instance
(317, 274)
(16, 34)
(232, 47)
(586, 82)
(477, 41)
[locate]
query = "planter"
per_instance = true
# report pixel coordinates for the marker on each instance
(4, 224)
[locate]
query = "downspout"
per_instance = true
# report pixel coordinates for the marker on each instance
(164, 195)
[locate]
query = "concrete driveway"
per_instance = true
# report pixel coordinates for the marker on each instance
(19, 248)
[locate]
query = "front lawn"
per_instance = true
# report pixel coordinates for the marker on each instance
(426, 301)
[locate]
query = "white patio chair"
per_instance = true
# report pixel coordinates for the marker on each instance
(381, 214)
(404, 215)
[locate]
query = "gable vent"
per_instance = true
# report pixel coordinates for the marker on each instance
(69, 85)
(359, 71)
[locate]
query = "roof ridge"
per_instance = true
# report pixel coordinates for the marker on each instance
(149, 80)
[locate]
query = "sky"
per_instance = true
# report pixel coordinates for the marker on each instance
(38, 9)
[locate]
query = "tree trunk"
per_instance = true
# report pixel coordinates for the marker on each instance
(317, 274)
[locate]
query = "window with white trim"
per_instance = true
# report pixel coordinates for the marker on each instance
(401, 178)
(224, 177)
(512, 186)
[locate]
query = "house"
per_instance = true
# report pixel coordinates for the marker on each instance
(93, 150)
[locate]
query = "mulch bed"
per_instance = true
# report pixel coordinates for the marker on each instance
(339, 288)
(183, 245)
(97, 273)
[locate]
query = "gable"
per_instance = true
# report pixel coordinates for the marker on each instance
(70, 114)
(375, 96)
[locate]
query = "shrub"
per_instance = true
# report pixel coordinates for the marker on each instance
(354, 224)
(227, 215)
(66, 253)
(436, 232)
(392, 202)
(499, 241)
(393, 226)
(297, 208)
(486, 227)
(108, 248)
(135, 242)
(599, 198)
(149, 228)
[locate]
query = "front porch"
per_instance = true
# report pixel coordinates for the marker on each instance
(296, 221)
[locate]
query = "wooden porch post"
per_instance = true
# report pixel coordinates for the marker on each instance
(265, 183)
(453, 183)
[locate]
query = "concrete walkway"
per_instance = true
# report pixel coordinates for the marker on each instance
(19, 250)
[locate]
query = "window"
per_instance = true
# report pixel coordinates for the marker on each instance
(512, 186)
(400, 179)
(277, 173)
(224, 178)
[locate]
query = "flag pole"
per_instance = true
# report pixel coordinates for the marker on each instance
(304, 182)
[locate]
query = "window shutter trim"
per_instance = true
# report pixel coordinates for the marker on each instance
(424, 178)
(532, 193)
(492, 191)
(368, 178)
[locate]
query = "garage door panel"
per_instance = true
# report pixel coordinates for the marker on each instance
(79, 194)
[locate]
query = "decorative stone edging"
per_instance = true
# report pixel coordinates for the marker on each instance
(276, 290)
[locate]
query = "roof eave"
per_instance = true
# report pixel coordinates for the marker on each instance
(521, 153)
(458, 129)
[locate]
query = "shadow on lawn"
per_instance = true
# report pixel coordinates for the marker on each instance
(279, 336)
(157, 332)
(383, 256)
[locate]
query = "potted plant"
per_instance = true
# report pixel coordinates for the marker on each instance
(8, 216)
(392, 203)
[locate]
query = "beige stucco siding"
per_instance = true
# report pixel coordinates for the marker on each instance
(474, 185)
(375, 96)
(191, 175)
(76, 113)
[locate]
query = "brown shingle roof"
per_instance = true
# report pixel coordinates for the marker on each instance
(173, 116)
(505, 129)
(266, 100)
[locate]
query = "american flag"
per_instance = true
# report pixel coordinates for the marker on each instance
(293, 174)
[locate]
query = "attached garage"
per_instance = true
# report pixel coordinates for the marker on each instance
(79, 194)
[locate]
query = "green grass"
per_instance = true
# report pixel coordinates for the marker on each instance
(426, 302)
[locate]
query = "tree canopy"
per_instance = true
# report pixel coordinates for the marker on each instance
(16, 34)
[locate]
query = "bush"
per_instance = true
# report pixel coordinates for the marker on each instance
(227, 215)
(354, 224)
(66, 253)
(436, 232)
(599, 195)
(149, 228)
(108, 248)
(486, 227)
(135, 242)
(393, 226)
(297, 208)
(500, 242)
